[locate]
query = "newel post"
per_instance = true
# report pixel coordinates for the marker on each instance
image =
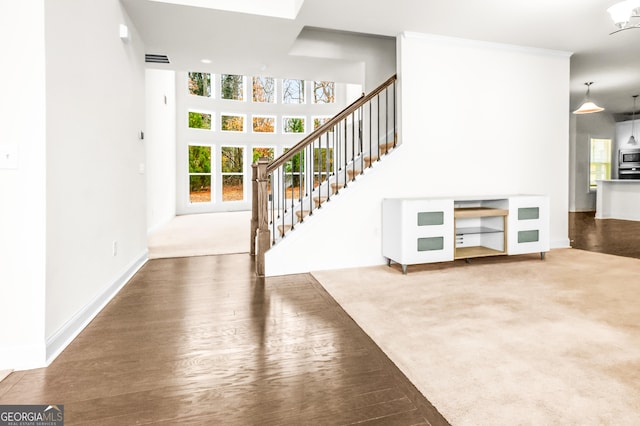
(254, 209)
(263, 237)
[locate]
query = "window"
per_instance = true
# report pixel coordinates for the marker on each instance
(323, 92)
(319, 121)
(600, 163)
(263, 153)
(293, 124)
(294, 175)
(232, 87)
(199, 174)
(200, 84)
(199, 120)
(232, 123)
(264, 89)
(292, 91)
(264, 124)
(232, 168)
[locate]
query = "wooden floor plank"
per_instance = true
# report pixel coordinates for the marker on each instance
(203, 341)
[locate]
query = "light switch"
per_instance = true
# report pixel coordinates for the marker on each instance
(9, 156)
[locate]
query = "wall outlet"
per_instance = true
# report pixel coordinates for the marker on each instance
(115, 248)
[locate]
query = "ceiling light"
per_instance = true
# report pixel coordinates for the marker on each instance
(205, 61)
(588, 106)
(623, 13)
(632, 139)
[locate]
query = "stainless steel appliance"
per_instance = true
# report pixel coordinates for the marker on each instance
(629, 163)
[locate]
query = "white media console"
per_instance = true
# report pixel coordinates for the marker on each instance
(424, 230)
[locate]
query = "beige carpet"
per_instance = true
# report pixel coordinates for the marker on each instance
(201, 235)
(509, 341)
(4, 374)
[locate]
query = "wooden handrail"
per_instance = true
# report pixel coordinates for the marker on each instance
(328, 125)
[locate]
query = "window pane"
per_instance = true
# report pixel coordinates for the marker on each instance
(264, 89)
(319, 121)
(232, 188)
(199, 120)
(200, 83)
(293, 91)
(231, 160)
(323, 92)
(232, 123)
(199, 159)
(264, 124)
(600, 163)
(231, 87)
(200, 188)
(293, 124)
(262, 153)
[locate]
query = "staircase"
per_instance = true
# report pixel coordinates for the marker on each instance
(295, 186)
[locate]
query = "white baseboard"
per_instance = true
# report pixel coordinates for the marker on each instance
(65, 335)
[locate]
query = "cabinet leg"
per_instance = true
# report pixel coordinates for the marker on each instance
(467, 260)
(404, 269)
(388, 262)
(542, 254)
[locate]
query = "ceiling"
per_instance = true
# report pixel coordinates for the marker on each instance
(247, 43)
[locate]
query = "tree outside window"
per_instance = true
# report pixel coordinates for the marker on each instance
(264, 89)
(323, 92)
(232, 123)
(232, 168)
(264, 124)
(199, 84)
(199, 120)
(199, 174)
(232, 87)
(293, 124)
(292, 91)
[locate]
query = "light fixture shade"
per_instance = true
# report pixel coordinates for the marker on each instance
(620, 14)
(587, 108)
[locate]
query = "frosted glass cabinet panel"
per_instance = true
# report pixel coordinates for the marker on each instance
(528, 224)
(417, 230)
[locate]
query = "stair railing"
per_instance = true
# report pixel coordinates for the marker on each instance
(297, 183)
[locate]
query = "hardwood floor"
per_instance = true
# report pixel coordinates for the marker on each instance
(201, 340)
(611, 236)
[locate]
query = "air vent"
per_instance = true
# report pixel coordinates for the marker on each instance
(156, 59)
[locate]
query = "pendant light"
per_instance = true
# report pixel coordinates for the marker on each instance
(588, 106)
(632, 139)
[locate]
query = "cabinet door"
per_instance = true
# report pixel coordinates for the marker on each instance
(528, 227)
(427, 231)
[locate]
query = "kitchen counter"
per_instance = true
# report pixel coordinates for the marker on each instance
(618, 199)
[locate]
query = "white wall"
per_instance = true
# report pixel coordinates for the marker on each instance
(95, 190)
(22, 205)
(477, 119)
(377, 54)
(598, 125)
(160, 144)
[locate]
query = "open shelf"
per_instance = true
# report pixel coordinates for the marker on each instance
(476, 251)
